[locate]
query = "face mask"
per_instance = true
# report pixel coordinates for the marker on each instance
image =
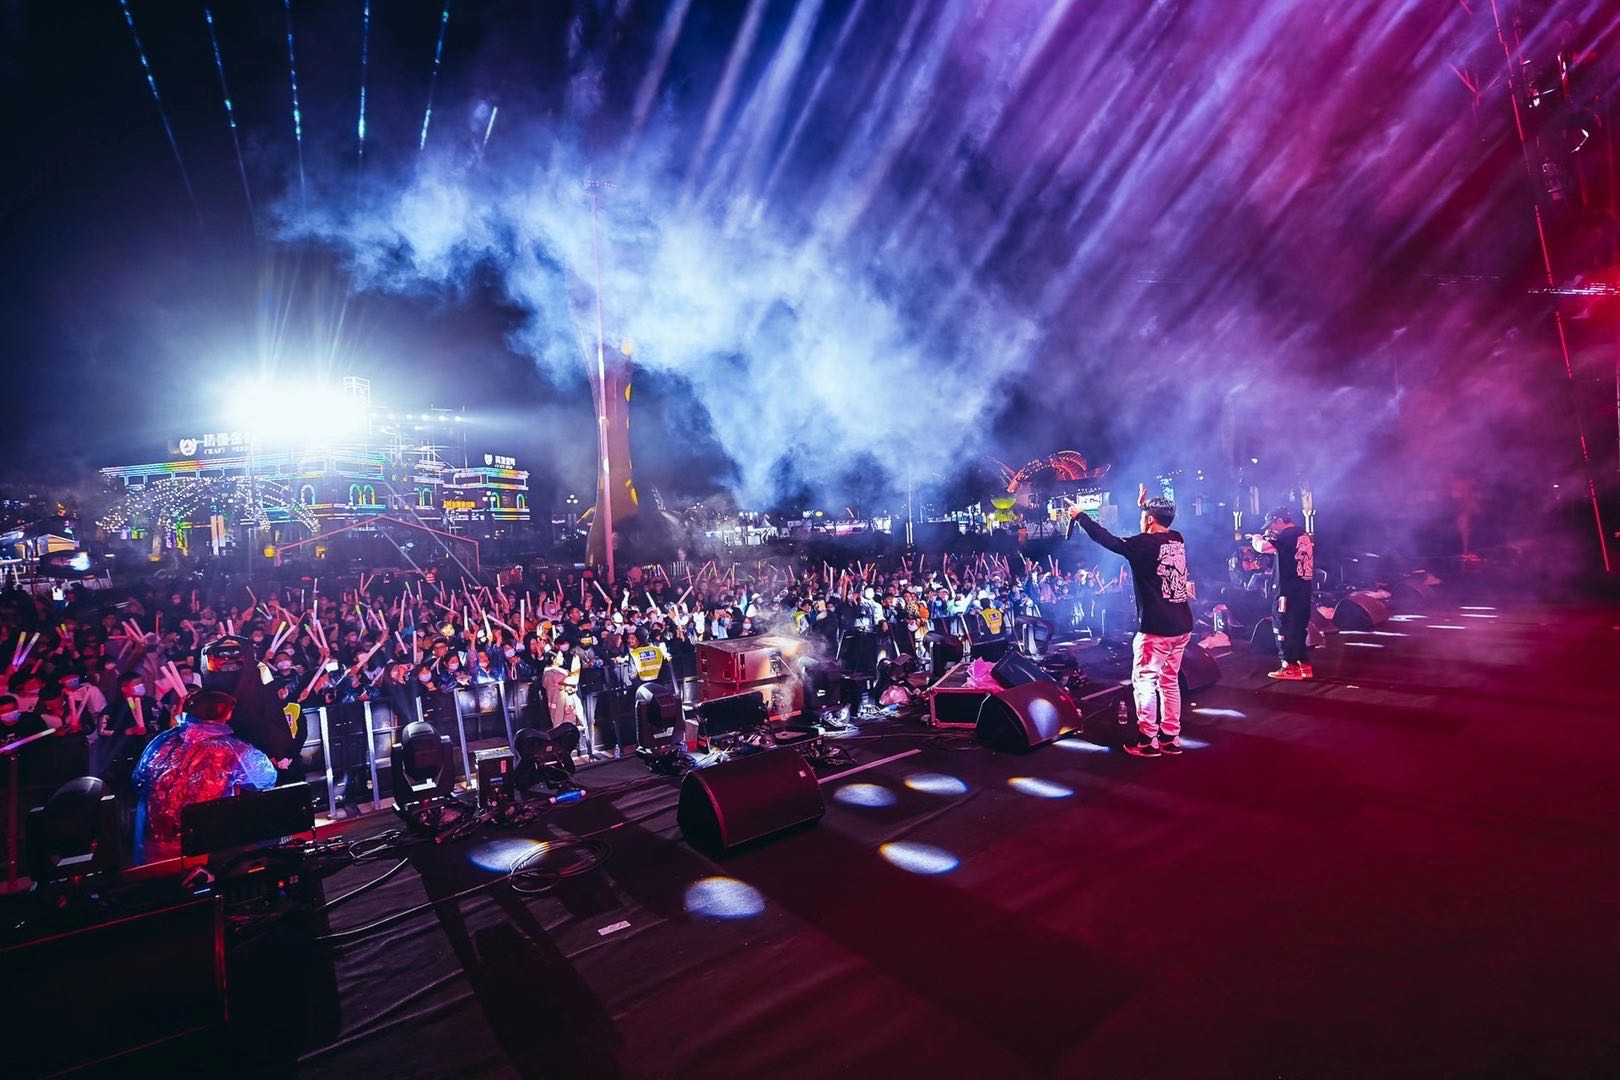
(283, 665)
(511, 652)
(455, 667)
(71, 684)
(138, 690)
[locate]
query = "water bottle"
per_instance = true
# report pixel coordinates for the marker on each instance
(1122, 715)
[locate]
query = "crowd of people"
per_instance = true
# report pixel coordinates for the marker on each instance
(109, 670)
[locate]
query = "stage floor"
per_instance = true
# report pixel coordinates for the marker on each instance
(1409, 866)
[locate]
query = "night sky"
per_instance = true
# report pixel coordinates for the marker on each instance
(854, 242)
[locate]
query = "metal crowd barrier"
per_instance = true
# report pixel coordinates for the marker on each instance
(355, 739)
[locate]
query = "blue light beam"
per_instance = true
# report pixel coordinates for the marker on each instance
(163, 114)
(365, 55)
(438, 55)
(297, 113)
(230, 109)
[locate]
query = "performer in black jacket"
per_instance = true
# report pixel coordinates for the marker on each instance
(1293, 570)
(1158, 561)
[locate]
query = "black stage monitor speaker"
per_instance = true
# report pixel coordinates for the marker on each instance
(1026, 716)
(1411, 593)
(1360, 611)
(1264, 637)
(1199, 670)
(858, 653)
(246, 818)
(992, 649)
(1035, 635)
(749, 798)
(823, 686)
(944, 650)
(1016, 669)
(729, 715)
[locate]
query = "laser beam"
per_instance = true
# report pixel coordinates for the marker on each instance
(365, 50)
(230, 110)
(163, 113)
(297, 113)
(438, 55)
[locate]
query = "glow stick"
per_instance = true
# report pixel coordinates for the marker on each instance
(22, 651)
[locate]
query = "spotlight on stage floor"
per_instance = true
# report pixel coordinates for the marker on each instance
(936, 784)
(919, 858)
(1041, 789)
(723, 898)
(868, 795)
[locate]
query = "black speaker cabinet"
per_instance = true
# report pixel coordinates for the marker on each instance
(246, 818)
(1016, 669)
(749, 798)
(992, 649)
(116, 995)
(1026, 716)
(1360, 611)
(858, 653)
(1411, 593)
(944, 650)
(1199, 670)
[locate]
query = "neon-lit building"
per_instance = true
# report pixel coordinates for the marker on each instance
(414, 465)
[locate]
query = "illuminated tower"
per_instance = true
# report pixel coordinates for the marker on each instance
(616, 499)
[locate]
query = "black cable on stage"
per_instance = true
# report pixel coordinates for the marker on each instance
(598, 853)
(372, 884)
(389, 920)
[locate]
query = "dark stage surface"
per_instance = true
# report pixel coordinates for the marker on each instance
(1410, 866)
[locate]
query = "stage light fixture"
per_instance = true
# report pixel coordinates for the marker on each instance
(74, 836)
(418, 766)
(660, 727)
(545, 758)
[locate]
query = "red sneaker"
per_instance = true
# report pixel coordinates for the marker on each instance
(1305, 672)
(1291, 672)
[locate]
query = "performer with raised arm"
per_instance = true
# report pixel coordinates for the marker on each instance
(1293, 570)
(1158, 560)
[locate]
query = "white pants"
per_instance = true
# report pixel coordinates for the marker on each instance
(1155, 675)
